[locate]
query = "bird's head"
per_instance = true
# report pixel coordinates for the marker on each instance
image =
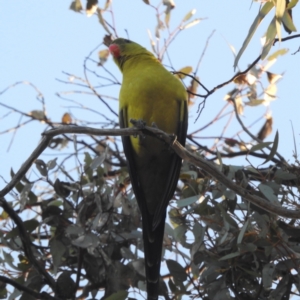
(123, 49)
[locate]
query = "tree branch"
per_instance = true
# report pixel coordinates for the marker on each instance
(25, 167)
(26, 242)
(20, 287)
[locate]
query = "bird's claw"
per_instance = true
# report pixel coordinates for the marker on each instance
(140, 124)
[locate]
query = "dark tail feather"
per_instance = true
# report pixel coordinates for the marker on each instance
(153, 247)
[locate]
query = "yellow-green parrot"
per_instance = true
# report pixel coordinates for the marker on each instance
(152, 94)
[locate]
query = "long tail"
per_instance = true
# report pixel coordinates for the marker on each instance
(153, 240)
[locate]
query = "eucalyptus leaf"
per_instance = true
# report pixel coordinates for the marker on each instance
(267, 275)
(176, 270)
(188, 201)
(242, 232)
(261, 15)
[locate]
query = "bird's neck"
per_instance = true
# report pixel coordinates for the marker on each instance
(139, 61)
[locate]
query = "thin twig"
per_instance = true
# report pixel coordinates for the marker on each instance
(204, 50)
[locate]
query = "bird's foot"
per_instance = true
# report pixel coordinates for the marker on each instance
(140, 124)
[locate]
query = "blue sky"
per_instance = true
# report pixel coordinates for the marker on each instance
(41, 39)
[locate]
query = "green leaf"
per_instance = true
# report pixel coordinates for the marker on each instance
(86, 241)
(120, 295)
(273, 149)
(260, 146)
(176, 270)
(288, 22)
(229, 194)
(203, 208)
(190, 24)
(199, 232)
(9, 260)
(277, 53)
(3, 293)
(280, 9)
(284, 175)
(172, 286)
(242, 232)
(278, 30)
(270, 36)
(189, 15)
(20, 187)
(267, 275)
(262, 13)
(51, 164)
(97, 161)
(227, 218)
(188, 201)
(57, 249)
(292, 4)
(29, 225)
(179, 233)
(268, 192)
(249, 247)
(229, 256)
(41, 166)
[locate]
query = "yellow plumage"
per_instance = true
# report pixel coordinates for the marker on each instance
(152, 94)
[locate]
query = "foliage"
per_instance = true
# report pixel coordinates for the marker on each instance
(74, 228)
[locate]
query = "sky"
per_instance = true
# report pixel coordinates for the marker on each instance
(40, 40)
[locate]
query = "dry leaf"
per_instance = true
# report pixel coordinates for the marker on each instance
(103, 56)
(189, 15)
(91, 7)
(183, 71)
(192, 89)
(38, 114)
(66, 118)
(273, 78)
(76, 6)
(241, 79)
(266, 129)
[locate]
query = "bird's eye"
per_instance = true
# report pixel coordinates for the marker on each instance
(127, 41)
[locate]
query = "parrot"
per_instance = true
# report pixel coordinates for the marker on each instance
(153, 95)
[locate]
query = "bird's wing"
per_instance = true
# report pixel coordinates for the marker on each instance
(175, 166)
(174, 170)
